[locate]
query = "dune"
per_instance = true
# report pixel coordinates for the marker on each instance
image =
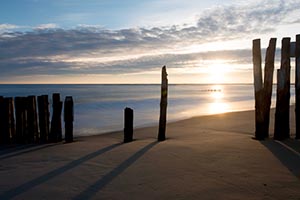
(207, 157)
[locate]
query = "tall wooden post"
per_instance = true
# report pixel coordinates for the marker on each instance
(43, 106)
(268, 84)
(128, 125)
(297, 86)
(56, 130)
(263, 89)
(163, 105)
(69, 118)
(282, 113)
(32, 119)
(2, 133)
(21, 120)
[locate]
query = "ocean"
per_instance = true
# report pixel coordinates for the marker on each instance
(99, 108)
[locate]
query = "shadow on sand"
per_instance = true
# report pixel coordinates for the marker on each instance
(46, 177)
(106, 179)
(288, 152)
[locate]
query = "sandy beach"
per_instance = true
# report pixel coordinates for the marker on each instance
(208, 157)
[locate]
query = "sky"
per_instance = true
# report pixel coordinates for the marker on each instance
(109, 41)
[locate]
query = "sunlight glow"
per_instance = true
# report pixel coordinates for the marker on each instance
(218, 105)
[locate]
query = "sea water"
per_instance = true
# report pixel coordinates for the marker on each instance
(99, 108)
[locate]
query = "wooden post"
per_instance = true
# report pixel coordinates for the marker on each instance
(282, 117)
(163, 105)
(21, 120)
(128, 125)
(43, 107)
(268, 85)
(2, 133)
(297, 86)
(258, 90)
(32, 119)
(9, 121)
(56, 130)
(69, 118)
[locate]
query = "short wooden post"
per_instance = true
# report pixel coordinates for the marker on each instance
(32, 119)
(56, 130)
(43, 107)
(163, 105)
(128, 125)
(282, 113)
(69, 118)
(9, 121)
(21, 120)
(297, 85)
(3, 134)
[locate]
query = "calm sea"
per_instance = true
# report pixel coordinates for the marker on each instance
(99, 108)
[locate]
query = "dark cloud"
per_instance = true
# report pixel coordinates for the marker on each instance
(35, 52)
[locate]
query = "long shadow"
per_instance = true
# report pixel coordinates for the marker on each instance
(22, 149)
(46, 177)
(287, 152)
(106, 179)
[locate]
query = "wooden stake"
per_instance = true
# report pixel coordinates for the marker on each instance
(21, 120)
(282, 129)
(128, 125)
(69, 118)
(56, 130)
(297, 85)
(43, 106)
(32, 119)
(9, 121)
(163, 105)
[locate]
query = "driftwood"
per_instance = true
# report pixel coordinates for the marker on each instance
(297, 86)
(163, 105)
(128, 125)
(32, 119)
(69, 118)
(282, 113)
(56, 129)
(263, 89)
(43, 106)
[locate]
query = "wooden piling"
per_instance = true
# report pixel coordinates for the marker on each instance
(43, 107)
(163, 105)
(282, 129)
(21, 120)
(258, 90)
(32, 119)
(9, 121)
(2, 117)
(56, 129)
(128, 125)
(68, 118)
(297, 86)
(268, 85)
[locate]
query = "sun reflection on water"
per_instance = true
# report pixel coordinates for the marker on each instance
(218, 105)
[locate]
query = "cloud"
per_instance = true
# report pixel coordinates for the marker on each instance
(91, 49)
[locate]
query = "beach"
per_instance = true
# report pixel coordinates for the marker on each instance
(206, 157)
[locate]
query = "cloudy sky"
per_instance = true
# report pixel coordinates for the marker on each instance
(110, 41)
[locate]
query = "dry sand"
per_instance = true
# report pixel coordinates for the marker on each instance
(210, 157)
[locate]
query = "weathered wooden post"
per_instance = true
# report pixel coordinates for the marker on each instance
(282, 113)
(21, 120)
(32, 119)
(9, 121)
(263, 89)
(297, 86)
(163, 105)
(128, 125)
(3, 133)
(69, 118)
(43, 107)
(56, 130)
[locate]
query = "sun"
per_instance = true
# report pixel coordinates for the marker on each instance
(218, 71)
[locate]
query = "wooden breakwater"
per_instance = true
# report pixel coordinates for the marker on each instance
(263, 88)
(26, 120)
